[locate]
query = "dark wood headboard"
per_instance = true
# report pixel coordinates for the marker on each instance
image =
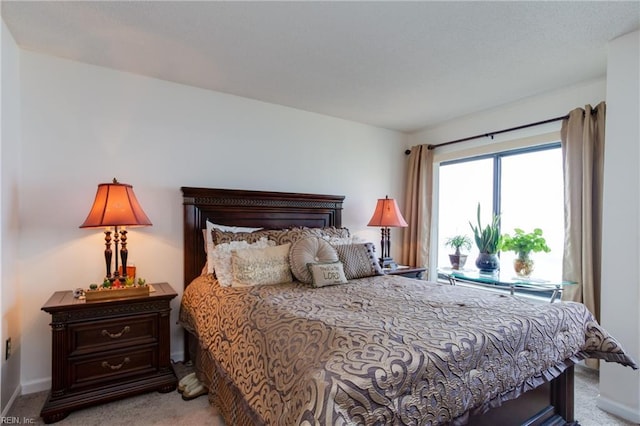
(272, 210)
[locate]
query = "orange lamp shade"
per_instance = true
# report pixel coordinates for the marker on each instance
(115, 205)
(387, 214)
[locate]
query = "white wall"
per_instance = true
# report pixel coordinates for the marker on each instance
(9, 198)
(536, 108)
(619, 386)
(83, 125)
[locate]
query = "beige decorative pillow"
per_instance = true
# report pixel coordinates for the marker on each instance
(268, 265)
(221, 257)
(324, 274)
(208, 239)
(359, 260)
(309, 250)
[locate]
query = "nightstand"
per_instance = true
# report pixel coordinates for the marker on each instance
(108, 349)
(407, 271)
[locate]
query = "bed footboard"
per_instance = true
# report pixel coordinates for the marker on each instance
(549, 404)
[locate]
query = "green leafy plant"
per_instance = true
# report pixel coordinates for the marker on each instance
(525, 243)
(488, 237)
(458, 242)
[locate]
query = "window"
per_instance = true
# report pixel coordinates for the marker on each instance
(525, 186)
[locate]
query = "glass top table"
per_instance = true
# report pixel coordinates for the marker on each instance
(506, 280)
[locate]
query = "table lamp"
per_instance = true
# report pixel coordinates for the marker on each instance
(387, 215)
(115, 205)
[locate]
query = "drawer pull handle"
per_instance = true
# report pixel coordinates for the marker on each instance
(126, 329)
(105, 364)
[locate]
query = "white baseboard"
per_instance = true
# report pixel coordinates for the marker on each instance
(36, 386)
(16, 394)
(618, 409)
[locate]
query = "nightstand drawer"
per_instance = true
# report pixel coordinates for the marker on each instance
(115, 366)
(98, 336)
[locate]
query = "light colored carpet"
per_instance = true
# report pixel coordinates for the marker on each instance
(151, 408)
(586, 393)
(169, 409)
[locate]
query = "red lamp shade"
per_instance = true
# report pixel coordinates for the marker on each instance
(387, 214)
(115, 205)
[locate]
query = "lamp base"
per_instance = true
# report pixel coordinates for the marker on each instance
(388, 263)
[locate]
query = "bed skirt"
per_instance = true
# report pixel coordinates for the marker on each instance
(223, 394)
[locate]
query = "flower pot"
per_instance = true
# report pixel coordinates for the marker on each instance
(488, 262)
(523, 267)
(457, 260)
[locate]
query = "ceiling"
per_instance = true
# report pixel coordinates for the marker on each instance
(396, 65)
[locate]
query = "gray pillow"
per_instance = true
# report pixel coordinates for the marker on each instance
(309, 250)
(359, 260)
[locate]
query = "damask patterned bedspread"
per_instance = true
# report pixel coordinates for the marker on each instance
(386, 349)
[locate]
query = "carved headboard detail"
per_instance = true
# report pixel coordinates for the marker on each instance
(272, 210)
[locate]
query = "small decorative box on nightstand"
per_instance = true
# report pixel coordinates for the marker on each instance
(107, 349)
(407, 271)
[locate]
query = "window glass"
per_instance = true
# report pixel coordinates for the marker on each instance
(532, 197)
(528, 188)
(462, 186)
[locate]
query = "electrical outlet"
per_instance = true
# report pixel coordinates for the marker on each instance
(7, 348)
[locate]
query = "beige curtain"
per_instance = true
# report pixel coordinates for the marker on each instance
(582, 137)
(418, 204)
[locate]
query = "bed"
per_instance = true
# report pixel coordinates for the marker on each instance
(379, 349)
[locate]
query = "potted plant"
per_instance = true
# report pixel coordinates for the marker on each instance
(488, 241)
(458, 242)
(524, 244)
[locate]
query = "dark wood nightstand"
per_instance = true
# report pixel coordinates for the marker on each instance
(108, 349)
(407, 271)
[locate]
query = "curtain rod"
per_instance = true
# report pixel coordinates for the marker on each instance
(492, 134)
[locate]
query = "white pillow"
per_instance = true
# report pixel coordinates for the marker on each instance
(208, 239)
(221, 257)
(261, 266)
